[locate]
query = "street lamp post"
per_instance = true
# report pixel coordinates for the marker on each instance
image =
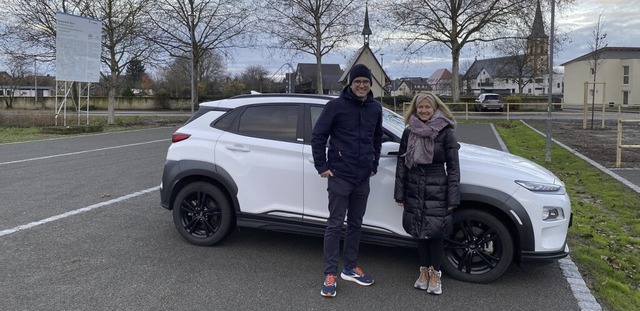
(547, 156)
(382, 80)
(193, 78)
(35, 80)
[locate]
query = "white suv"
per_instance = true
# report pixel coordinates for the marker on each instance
(246, 161)
(489, 101)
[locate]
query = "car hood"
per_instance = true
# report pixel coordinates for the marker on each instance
(478, 158)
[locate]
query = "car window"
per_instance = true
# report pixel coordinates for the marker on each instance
(278, 122)
(492, 97)
(225, 121)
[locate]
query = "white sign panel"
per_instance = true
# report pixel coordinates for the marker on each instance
(78, 48)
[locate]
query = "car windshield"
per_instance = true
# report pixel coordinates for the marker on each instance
(492, 97)
(393, 120)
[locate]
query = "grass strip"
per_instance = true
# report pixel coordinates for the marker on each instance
(605, 236)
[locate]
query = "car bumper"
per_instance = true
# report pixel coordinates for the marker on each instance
(537, 258)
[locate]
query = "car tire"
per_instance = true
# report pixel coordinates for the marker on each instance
(479, 249)
(202, 214)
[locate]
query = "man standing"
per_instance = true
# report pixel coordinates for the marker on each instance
(352, 124)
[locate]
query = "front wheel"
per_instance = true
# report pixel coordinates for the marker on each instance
(479, 249)
(202, 214)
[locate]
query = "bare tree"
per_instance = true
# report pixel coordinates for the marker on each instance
(31, 26)
(193, 28)
(123, 26)
(30, 30)
(596, 45)
(255, 78)
(519, 64)
(13, 79)
(454, 23)
(174, 77)
(312, 27)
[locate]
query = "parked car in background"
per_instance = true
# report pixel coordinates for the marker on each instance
(489, 102)
(246, 161)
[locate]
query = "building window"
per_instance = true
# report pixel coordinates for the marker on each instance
(625, 74)
(625, 97)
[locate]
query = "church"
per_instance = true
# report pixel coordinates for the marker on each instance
(523, 73)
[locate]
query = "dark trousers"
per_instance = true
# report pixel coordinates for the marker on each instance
(344, 199)
(430, 252)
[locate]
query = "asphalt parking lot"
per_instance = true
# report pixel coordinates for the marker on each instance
(82, 229)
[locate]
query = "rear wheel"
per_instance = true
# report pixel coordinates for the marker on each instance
(202, 214)
(480, 248)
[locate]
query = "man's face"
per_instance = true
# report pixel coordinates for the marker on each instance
(361, 86)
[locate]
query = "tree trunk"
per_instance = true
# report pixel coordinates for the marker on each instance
(455, 75)
(319, 86)
(112, 103)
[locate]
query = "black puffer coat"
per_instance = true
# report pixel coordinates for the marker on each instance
(427, 190)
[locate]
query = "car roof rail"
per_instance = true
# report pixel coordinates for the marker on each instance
(292, 95)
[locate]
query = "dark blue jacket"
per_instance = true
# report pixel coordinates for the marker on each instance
(354, 131)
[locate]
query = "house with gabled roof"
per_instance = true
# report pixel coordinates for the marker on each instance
(440, 81)
(307, 75)
(409, 86)
(617, 77)
(365, 56)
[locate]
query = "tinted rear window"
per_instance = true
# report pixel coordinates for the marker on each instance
(492, 97)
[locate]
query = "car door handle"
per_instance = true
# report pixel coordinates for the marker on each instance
(237, 148)
(310, 159)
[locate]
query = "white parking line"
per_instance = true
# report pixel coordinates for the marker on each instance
(76, 212)
(80, 152)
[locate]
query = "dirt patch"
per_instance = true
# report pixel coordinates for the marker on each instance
(597, 144)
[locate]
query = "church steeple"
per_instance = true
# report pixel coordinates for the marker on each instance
(537, 29)
(366, 31)
(538, 44)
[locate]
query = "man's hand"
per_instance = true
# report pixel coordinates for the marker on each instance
(326, 174)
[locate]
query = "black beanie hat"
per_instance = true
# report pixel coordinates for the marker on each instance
(359, 70)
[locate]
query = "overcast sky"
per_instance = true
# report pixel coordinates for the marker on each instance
(621, 24)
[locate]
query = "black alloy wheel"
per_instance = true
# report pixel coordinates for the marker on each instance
(202, 214)
(479, 249)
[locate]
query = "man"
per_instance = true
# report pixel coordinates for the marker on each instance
(353, 122)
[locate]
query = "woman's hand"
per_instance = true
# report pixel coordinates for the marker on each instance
(400, 204)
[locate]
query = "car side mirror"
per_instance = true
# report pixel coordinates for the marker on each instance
(390, 149)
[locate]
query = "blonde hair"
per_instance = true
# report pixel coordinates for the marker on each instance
(433, 100)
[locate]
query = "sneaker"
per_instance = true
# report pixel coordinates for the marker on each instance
(423, 280)
(329, 286)
(356, 275)
(435, 285)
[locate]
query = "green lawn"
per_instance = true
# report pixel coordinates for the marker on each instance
(605, 236)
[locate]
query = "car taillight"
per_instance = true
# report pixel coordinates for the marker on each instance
(176, 137)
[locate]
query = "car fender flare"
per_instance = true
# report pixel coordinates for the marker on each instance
(508, 206)
(190, 169)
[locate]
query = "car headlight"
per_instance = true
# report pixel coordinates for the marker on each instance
(539, 186)
(550, 213)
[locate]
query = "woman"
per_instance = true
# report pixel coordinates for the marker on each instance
(428, 182)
